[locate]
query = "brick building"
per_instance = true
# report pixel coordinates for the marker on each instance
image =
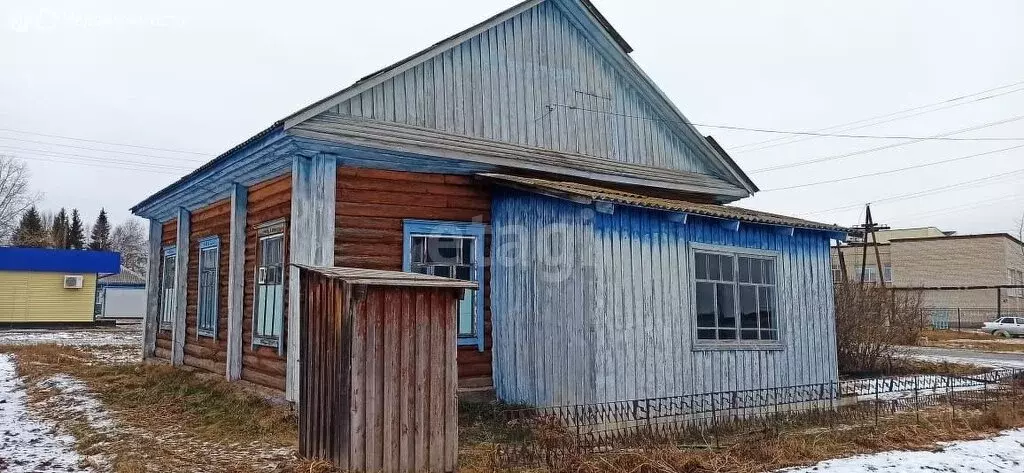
(943, 260)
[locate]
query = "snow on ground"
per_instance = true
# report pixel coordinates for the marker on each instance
(77, 337)
(73, 396)
(1001, 454)
(26, 444)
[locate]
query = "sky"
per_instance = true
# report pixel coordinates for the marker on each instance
(198, 77)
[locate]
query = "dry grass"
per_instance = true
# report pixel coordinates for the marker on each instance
(945, 335)
(765, 451)
(168, 419)
(970, 341)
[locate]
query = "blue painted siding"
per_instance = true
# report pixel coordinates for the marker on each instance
(619, 325)
(514, 82)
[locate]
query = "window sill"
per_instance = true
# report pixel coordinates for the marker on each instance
(737, 346)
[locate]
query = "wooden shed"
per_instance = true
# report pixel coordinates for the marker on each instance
(378, 369)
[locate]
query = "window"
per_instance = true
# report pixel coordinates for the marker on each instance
(837, 275)
(206, 320)
(452, 250)
(268, 313)
(1016, 278)
(167, 285)
(735, 297)
(887, 273)
(870, 275)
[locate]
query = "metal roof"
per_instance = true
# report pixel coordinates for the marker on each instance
(58, 261)
(126, 277)
(375, 277)
(603, 194)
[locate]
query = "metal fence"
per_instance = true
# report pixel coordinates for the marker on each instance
(547, 436)
(959, 318)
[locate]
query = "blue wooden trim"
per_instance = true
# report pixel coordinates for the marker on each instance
(439, 227)
(787, 231)
(206, 243)
(170, 251)
(209, 242)
(678, 217)
(731, 225)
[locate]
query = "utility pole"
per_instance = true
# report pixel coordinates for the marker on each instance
(869, 228)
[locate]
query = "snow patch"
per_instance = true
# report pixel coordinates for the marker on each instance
(1000, 454)
(73, 337)
(72, 396)
(26, 444)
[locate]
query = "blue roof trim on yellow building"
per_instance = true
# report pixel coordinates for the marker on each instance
(59, 261)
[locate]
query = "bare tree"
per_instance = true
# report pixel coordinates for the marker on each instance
(130, 240)
(15, 195)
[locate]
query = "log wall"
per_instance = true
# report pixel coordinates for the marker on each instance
(163, 335)
(201, 351)
(268, 201)
(371, 205)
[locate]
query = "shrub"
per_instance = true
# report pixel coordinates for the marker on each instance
(872, 323)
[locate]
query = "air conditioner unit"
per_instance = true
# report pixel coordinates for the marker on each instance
(73, 281)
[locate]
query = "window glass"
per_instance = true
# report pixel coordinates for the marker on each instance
(450, 257)
(268, 316)
(207, 304)
(168, 293)
(735, 297)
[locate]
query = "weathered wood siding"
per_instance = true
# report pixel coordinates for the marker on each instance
(163, 335)
(595, 307)
(379, 376)
(514, 82)
(371, 205)
(201, 351)
(269, 200)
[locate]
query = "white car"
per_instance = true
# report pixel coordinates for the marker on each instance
(1005, 327)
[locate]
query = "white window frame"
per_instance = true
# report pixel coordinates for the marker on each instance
(168, 306)
(736, 253)
(206, 245)
(887, 273)
(264, 231)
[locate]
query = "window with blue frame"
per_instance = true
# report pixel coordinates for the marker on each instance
(451, 250)
(168, 292)
(268, 310)
(206, 320)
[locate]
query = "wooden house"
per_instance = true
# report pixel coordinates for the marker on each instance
(528, 154)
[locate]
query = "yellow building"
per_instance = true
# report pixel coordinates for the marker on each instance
(39, 286)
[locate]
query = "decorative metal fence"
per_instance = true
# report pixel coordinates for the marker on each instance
(551, 434)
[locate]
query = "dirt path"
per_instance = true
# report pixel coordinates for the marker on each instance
(26, 443)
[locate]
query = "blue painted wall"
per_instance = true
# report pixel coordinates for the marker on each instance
(512, 83)
(589, 307)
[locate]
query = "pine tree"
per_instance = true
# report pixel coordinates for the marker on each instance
(59, 230)
(30, 231)
(100, 238)
(76, 234)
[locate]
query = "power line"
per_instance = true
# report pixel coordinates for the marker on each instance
(106, 142)
(168, 167)
(923, 193)
(949, 210)
(785, 132)
(129, 153)
(94, 164)
(879, 148)
(892, 171)
(885, 118)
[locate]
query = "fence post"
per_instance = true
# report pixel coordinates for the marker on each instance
(917, 402)
(959, 322)
(877, 401)
(949, 394)
(714, 421)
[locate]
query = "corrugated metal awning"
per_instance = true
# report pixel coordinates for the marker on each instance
(575, 191)
(375, 277)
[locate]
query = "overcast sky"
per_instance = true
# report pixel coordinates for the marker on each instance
(203, 76)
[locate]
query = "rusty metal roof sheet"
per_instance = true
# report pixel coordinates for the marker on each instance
(603, 194)
(375, 277)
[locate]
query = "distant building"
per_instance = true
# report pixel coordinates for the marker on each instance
(121, 296)
(39, 285)
(928, 257)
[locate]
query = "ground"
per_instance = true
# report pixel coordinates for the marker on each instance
(79, 400)
(1003, 453)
